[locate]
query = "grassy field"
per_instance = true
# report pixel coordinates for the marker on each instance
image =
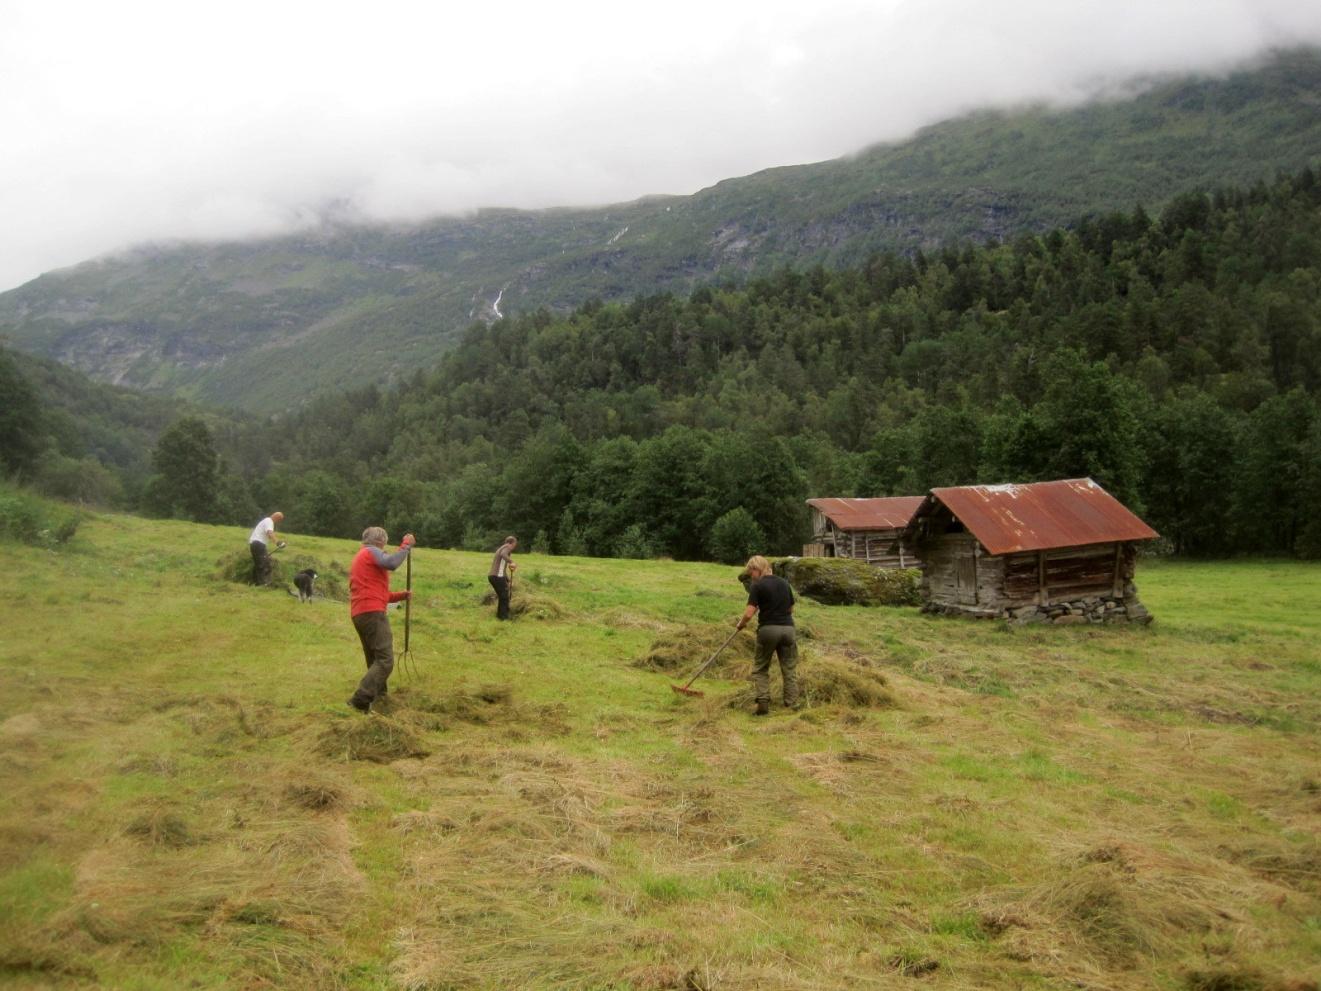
(189, 803)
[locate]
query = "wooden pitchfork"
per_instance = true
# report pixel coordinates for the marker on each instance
(405, 659)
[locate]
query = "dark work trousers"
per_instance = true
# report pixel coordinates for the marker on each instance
(261, 563)
(783, 643)
(501, 586)
(378, 649)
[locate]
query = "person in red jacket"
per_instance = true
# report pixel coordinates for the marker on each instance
(369, 594)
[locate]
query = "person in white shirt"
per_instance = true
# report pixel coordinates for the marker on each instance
(261, 557)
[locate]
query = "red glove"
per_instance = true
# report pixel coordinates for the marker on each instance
(406, 594)
(408, 541)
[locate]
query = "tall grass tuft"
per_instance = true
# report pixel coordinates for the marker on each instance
(29, 519)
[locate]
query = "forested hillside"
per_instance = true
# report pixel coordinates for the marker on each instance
(77, 439)
(1176, 359)
(266, 324)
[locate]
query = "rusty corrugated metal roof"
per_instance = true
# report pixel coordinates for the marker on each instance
(868, 514)
(1040, 515)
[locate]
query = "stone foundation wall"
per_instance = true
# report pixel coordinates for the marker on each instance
(1084, 609)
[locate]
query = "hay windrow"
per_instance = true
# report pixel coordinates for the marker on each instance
(315, 796)
(685, 649)
(1228, 979)
(426, 823)
(480, 705)
(621, 618)
(1118, 905)
(483, 705)
(378, 739)
(825, 679)
(1296, 866)
(529, 604)
(332, 580)
(161, 824)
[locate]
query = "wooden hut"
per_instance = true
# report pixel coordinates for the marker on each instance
(1061, 552)
(868, 530)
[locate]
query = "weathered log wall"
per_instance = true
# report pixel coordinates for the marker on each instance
(1065, 585)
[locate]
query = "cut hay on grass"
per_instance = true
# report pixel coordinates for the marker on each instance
(481, 705)
(842, 771)
(426, 823)
(621, 618)
(378, 739)
(315, 796)
(160, 824)
(684, 651)
(503, 921)
(824, 679)
(530, 604)
(1114, 906)
(332, 581)
(1296, 865)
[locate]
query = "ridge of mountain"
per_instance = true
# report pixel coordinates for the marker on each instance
(266, 324)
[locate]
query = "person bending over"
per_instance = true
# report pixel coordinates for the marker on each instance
(502, 570)
(261, 556)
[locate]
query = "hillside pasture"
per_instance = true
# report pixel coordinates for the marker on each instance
(189, 803)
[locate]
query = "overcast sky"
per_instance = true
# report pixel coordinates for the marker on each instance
(133, 121)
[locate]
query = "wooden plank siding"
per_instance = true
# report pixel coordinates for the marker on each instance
(959, 572)
(956, 572)
(872, 546)
(1069, 572)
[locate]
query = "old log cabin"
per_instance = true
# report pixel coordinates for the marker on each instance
(1061, 552)
(865, 529)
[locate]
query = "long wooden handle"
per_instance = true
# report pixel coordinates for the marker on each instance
(711, 660)
(408, 602)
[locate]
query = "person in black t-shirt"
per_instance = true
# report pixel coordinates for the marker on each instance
(771, 597)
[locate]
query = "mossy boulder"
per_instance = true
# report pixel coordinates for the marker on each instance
(838, 581)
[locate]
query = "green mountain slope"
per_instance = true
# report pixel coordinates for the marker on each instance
(266, 324)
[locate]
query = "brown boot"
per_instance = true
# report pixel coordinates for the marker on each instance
(763, 708)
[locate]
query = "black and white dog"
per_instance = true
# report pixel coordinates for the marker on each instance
(303, 582)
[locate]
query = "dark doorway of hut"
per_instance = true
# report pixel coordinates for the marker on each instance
(686, 688)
